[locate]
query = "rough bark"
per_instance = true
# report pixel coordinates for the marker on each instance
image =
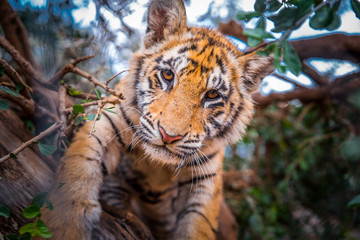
(22, 178)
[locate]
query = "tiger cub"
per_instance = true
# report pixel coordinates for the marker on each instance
(188, 94)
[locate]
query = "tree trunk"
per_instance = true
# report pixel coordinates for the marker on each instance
(23, 177)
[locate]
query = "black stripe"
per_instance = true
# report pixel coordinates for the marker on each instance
(215, 123)
(95, 150)
(128, 121)
(228, 126)
(117, 132)
(218, 113)
(183, 214)
(184, 49)
(104, 169)
(191, 141)
(203, 160)
(98, 139)
(215, 105)
(197, 179)
(219, 61)
(148, 121)
(150, 83)
(148, 130)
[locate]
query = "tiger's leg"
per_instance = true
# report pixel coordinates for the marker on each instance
(199, 219)
(80, 172)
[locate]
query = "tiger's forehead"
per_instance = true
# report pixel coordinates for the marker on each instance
(203, 59)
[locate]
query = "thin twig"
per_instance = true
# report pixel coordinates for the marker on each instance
(288, 80)
(81, 59)
(80, 95)
(23, 63)
(14, 76)
(51, 129)
(62, 107)
(301, 21)
(101, 105)
(102, 101)
(108, 81)
(27, 105)
(96, 82)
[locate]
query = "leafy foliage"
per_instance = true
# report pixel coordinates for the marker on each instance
(308, 169)
(46, 149)
(4, 211)
(287, 16)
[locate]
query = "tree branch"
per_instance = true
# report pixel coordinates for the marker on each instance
(27, 105)
(51, 129)
(23, 63)
(14, 76)
(15, 31)
(98, 102)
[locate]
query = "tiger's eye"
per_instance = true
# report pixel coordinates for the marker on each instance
(212, 94)
(167, 75)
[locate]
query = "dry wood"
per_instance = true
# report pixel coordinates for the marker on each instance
(27, 105)
(14, 76)
(23, 63)
(51, 129)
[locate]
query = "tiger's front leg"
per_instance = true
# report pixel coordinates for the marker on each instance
(78, 179)
(199, 219)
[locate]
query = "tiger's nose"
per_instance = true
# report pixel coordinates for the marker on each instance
(166, 138)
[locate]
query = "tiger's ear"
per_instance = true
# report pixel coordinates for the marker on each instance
(165, 17)
(254, 68)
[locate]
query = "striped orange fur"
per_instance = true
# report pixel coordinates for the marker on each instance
(188, 94)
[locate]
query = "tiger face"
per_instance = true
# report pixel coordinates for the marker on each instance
(192, 87)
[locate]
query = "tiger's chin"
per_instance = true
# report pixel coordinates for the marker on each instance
(165, 156)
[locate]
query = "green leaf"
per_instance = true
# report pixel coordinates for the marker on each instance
(266, 52)
(46, 149)
(260, 5)
(1, 71)
(49, 205)
(28, 228)
(354, 99)
(30, 125)
(4, 211)
(19, 87)
(85, 101)
(40, 199)
(108, 110)
(4, 105)
(350, 149)
(12, 237)
(31, 212)
(98, 93)
(25, 236)
(247, 16)
(72, 91)
(252, 42)
(284, 20)
(257, 33)
(78, 120)
(324, 17)
(335, 22)
(277, 59)
(355, 202)
(77, 108)
(59, 186)
(42, 230)
(274, 5)
(9, 91)
(91, 117)
(291, 58)
(12, 155)
(355, 4)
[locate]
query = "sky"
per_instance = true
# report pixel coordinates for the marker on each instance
(350, 24)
